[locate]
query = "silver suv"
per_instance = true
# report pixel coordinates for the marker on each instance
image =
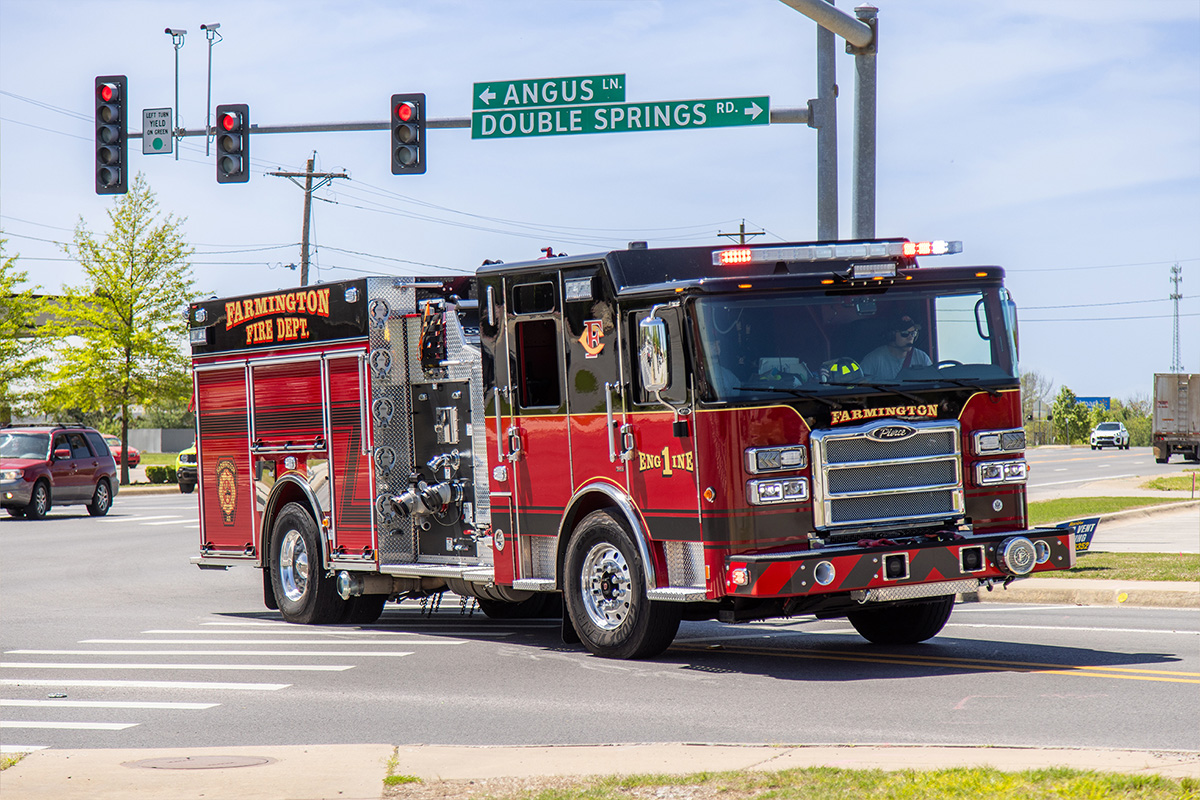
(1110, 434)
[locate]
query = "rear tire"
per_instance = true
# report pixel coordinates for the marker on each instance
(364, 609)
(39, 502)
(906, 624)
(606, 597)
(1162, 460)
(306, 595)
(101, 500)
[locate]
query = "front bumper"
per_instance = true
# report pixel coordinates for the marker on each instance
(1106, 441)
(15, 493)
(887, 566)
(186, 474)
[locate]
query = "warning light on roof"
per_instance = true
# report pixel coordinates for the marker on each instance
(938, 248)
(734, 257)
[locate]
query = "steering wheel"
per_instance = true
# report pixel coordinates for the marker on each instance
(949, 362)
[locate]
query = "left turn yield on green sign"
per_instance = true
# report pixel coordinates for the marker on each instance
(156, 131)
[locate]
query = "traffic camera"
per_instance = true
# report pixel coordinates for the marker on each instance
(112, 150)
(233, 143)
(408, 134)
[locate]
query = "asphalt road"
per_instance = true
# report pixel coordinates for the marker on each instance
(1053, 468)
(110, 638)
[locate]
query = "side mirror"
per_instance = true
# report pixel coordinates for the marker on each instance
(652, 354)
(62, 454)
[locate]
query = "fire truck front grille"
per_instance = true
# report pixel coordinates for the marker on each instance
(900, 473)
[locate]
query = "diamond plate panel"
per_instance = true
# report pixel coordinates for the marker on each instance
(539, 556)
(685, 563)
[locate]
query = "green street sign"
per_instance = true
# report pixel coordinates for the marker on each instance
(534, 92)
(620, 117)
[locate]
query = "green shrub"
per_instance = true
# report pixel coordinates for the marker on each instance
(161, 474)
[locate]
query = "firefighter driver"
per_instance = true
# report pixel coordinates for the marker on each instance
(899, 351)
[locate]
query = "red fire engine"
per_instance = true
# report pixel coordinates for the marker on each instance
(652, 435)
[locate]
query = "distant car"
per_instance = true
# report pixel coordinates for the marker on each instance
(42, 466)
(185, 469)
(1110, 434)
(114, 443)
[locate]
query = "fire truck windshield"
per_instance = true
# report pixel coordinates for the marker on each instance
(758, 346)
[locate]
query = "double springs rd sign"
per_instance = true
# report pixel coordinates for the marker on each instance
(595, 104)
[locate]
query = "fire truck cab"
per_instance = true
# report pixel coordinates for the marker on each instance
(729, 433)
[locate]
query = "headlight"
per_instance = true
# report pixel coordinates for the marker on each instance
(990, 473)
(1009, 441)
(776, 459)
(782, 490)
(11, 474)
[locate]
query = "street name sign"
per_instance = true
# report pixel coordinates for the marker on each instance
(156, 131)
(665, 115)
(530, 92)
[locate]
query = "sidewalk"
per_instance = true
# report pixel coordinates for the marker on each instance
(356, 772)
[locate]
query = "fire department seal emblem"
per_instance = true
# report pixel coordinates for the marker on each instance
(227, 488)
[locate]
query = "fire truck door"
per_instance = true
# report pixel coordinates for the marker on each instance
(353, 534)
(536, 441)
(662, 470)
(596, 393)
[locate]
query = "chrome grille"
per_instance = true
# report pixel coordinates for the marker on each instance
(860, 480)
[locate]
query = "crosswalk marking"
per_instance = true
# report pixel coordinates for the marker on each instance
(106, 704)
(286, 629)
(339, 653)
(375, 642)
(114, 520)
(277, 667)
(129, 684)
(71, 726)
(174, 521)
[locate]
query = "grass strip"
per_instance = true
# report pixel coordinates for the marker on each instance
(1049, 512)
(1134, 567)
(827, 783)
(1189, 480)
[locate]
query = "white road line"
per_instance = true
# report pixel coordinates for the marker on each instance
(137, 519)
(1070, 628)
(117, 684)
(296, 630)
(249, 667)
(375, 642)
(107, 704)
(70, 726)
(305, 653)
(13, 749)
(168, 522)
(1032, 485)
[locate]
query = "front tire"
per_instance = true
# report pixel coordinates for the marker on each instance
(39, 502)
(306, 595)
(101, 500)
(606, 593)
(187, 488)
(907, 624)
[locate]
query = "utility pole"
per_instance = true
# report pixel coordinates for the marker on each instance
(308, 176)
(1176, 296)
(742, 233)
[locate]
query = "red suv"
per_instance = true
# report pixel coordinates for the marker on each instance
(47, 465)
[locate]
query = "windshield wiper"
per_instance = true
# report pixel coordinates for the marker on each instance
(805, 393)
(957, 382)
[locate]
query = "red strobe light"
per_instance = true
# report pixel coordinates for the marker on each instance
(735, 257)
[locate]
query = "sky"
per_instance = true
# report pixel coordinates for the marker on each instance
(1059, 140)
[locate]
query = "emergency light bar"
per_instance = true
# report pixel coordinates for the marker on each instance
(833, 252)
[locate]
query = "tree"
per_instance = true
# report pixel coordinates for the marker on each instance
(1070, 417)
(120, 335)
(1035, 405)
(20, 362)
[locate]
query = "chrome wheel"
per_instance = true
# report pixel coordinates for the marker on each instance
(608, 589)
(293, 565)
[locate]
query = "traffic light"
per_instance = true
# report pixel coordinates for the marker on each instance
(408, 134)
(233, 143)
(112, 149)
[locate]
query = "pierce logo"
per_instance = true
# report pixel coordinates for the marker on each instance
(890, 433)
(593, 337)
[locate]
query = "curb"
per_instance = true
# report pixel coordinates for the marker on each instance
(1085, 592)
(150, 488)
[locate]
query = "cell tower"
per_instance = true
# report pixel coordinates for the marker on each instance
(1176, 296)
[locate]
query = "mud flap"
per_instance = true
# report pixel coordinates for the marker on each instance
(269, 591)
